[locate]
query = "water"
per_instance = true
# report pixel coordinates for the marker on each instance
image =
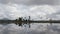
(36, 28)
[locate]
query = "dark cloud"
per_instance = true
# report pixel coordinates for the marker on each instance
(31, 2)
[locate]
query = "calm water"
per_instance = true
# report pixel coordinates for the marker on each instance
(36, 28)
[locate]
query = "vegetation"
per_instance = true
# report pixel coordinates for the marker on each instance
(21, 21)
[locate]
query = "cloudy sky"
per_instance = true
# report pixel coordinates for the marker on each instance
(37, 9)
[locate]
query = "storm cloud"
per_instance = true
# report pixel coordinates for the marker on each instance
(31, 2)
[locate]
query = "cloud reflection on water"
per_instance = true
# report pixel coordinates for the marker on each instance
(35, 29)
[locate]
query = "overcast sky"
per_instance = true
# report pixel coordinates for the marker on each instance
(37, 9)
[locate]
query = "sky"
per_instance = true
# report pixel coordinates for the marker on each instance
(37, 9)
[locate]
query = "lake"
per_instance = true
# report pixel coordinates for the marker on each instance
(36, 28)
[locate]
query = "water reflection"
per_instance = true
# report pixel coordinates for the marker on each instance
(36, 28)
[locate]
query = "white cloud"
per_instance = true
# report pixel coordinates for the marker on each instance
(13, 11)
